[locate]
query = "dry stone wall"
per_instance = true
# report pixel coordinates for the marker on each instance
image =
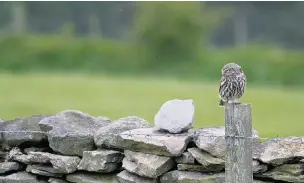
(75, 147)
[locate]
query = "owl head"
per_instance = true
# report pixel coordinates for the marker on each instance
(231, 68)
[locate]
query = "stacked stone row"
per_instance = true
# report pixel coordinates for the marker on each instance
(75, 147)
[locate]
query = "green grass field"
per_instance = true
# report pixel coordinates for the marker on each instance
(276, 111)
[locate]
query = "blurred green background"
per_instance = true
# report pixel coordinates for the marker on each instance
(119, 59)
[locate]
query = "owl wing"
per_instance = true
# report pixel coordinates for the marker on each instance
(223, 87)
(222, 83)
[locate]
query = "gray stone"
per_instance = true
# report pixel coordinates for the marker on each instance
(279, 150)
(20, 177)
(12, 153)
(210, 163)
(44, 170)
(127, 177)
(212, 140)
(35, 149)
(192, 168)
(3, 155)
(1, 120)
(71, 132)
(21, 130)
(258, 167)
(9, 166)
(175, 116)
(100, 161)
(63, 164)
(103, 119)
(177, 176)
(147, 140)
(185, 158)
(107, 136)
(71, 144)
(147, 165)
(86, 177)
(56, 180)
(286, 172)
(31, 157)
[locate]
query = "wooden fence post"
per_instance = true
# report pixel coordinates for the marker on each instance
(238, 135)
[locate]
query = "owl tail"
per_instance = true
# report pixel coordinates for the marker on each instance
(221, 103)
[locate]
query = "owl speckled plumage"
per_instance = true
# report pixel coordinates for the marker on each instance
(232, 85)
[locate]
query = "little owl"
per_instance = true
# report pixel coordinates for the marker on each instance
(232, 84)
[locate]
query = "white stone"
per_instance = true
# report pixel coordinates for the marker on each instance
(175, 116)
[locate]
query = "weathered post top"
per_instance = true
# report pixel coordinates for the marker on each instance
(238, 134)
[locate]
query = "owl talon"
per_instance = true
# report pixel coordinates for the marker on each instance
(221, 103)
(234, 102)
